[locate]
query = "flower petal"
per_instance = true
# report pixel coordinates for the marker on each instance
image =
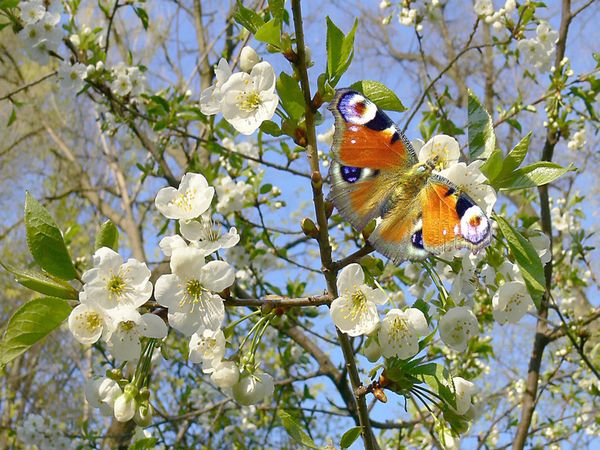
(350, 276)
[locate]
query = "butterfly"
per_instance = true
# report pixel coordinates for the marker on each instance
(375, 174)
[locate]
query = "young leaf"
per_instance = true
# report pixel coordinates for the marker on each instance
(295, 431)
(46, 242)
(270, 127)
(276, 7)
(30, 323)
(536, 174)
(492, 167)
(143, 16)
(482, 139)
(270, 33)
(43, 284)
(247, 18)
(12, 118)
(291, 96)
(516, 156)
(527, 259)
(349, 437)
(335, 39)
(379, 94)
(108, 236)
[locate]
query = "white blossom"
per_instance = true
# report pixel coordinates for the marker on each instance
(483, 8)
(112, 283)
(400, 331)
(207, 347)
(190, 200)
(541, 243)
(372, 349)
(169, 243)
(210, 98)
(249, 99)
(125, 406)
(71, 76)
(207, 235)
(578, 140)
(457, 326)
(232, 196)
(188, 291)
(444, 149)
(510, 302)
(253, 388)
(87, 321)
(128, 326)
(355, 310)
(32, 11)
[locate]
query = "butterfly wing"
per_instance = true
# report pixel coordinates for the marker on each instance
(368, 149)
(441, 218)
(451, 219)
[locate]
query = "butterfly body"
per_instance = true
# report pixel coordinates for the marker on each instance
(375, 174)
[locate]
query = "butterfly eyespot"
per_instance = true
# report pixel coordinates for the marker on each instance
(417, 239)
(475, 227)
(350, 174)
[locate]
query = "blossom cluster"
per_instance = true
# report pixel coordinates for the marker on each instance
(41, 33)
(539, 50)
(485, 10)
(245, 99)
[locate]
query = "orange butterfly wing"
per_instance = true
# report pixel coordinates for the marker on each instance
(367, 148)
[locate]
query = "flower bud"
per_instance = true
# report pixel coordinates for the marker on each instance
(309, 228)
(226, 374)
(143, 415)
(372, 350)
(253, 388)
(125, 407)
(248, 58)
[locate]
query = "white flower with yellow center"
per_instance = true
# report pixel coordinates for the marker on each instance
(207, 347)
(253, 388)
(127, 328)
(87, 321)
(188, 291)
(190, 200)
(441, 149)
(457, 326)
(510, 302)
(71, 76)
(112, 283)
(354, 312)
(400, 331)
(32, 11)
(206, 234)
(250, 99)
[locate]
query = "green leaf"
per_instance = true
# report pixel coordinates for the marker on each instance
(482, 139)
(266, 188)
(43, 284)
(536, 174)
(516, 156)
(295, 431)
(379, 94)
(349, 437)
(46, 242)
(7, 4)
(270, 33)
(340, 50)
(143, 15)
(270, 127)
(291, 96)
(12, 118)
(247, 18)
(492, 167)
(527, 259)
(29, 324)
(276, 7)
(108, 236)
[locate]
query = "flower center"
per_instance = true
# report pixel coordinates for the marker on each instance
(359, 304)
(127, 325)
(93, 321)
(399, 330)
(211, 231)
(185, 200)
(249, 101)
(194, 289)
(116, 286)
